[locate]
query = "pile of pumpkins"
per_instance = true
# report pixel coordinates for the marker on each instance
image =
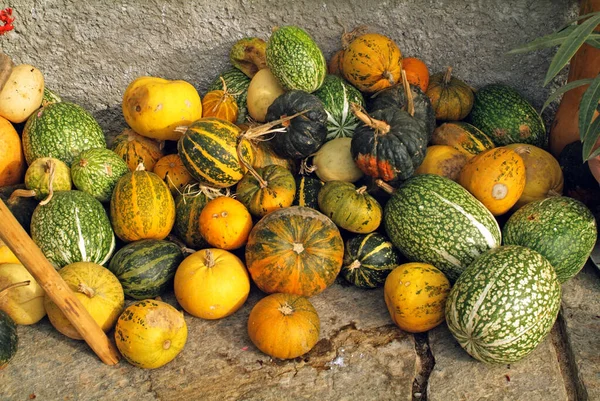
(288, 173)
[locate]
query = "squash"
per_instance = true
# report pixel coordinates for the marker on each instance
(368, 259)
(295, 250)
(221, 104)
(263, 90)
(225, 223)
(12, 160)
(350, 208)
(442, 160)
(6, 255)
(20, 295)
(303, 134)
(9, 341)
(44, 176)
(451, 98)
(284, 316)
(333, 162)
(98, 290)
(464, 137)
(211, 284)
(150, 333)
(141, 207)
(22, 93)
(417, 72)
(334, 66)
(154, 107)
(415, 295)
(188, 206)
(96, 171)
(135, 149)
(264, 190)
(171, 170)
(496, 178)
(264, 155)
(248, 55)
(307, 191)
(372, 62)
(543, 175)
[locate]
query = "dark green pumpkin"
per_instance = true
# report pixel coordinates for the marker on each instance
(146, 267)
(21, 207)
(303, 134)
(188, 207)
(389, 144)
(368, 259)
(307, 191)
(8, 339)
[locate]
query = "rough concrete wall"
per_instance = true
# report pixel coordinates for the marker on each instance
(90, 50)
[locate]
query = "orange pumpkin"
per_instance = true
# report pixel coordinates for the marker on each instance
(12, 161)
(211, 283)
(451, 98)
(417, 72)
(372, 62)
(442, 160)
(225, 223)
(171, 170)
(264, 190)
(220, 104)
(284, 316)
(136, 149)
(496, 177)
(334, 66)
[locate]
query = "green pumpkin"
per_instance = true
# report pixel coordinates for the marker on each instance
(188, 207)
(369, 259)
(307, 191)
(96, 171)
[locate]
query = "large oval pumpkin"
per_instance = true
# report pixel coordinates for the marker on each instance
(295, 250)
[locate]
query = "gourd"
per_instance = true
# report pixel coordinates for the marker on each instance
(307, 191)
(12, 161)
(264, 155)
(264, 190)
(262, 91)
(21, 297)
(221, 104)
(442, 160)
(248, 55)
(188, 207)
(22, 93)
(135, 149)
(463, 137)
(334, 66)
(451, 98)
(334, 162)
(225, 223)
(171, 170)
(368, 259)
(44, 176)
(6, 255)
(417, 72)
(96, 171)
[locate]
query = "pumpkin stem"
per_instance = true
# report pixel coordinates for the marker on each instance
(51, 167)
(388, 75)
(21, 193)
(410, 103)
(181, 128)
(448, 76)
(167, 344)
(247, 166)
(14, 285)
(379, 126)
(298, 247)
(209, 259)
(305, 169)
(84, 289)
(83, 162)
(385, 186)
(140, 167)
(286, 309)
(355, 265)
(523, 150)
(348, 37)
(361, 190)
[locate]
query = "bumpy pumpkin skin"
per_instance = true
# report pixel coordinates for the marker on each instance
(415, 295)
(135, 149)
(225, 223)
(442, 160)
(12, 160)
(496, 178)
(417, 72)
(284, 316)
(372, 62)
(451, 98)
(278, 193)
(154, 107)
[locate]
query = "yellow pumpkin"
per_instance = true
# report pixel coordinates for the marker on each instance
(12, 161)
(136, 149)
(6, 255)
(225, 223)
(172, 171)
(154, 107)
(372, 62)
(24, 303)
(544, 177)
(442, 160)
(415, 295)
(496, 177)
(150, 333)
(99, 291)
(211, 283)
(284, 326)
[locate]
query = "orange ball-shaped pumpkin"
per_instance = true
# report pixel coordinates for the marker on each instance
(172, 171)
(417, 72)
(220, 104)
(225, 223)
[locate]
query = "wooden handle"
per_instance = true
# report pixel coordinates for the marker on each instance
(59, 292)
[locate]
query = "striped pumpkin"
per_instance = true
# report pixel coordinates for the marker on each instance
(307, 191)
(172, 171)
(188, 207)
(136, 149)
(208, 150)
(368, 259)
(462, 136)
(272, 188)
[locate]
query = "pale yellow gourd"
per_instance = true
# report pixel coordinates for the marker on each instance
(262, 91)
(22, 93)
(21, 297)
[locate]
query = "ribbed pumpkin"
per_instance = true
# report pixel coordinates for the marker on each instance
(350, 208)
(372, 62)
(220, 104)
(264, 190)
(417, 72)
(141, 207)
(208, 150)
(442, 160)
(368, 259)
(451, 98)
(171, 170)
(295, 250)
(543, 175)
(284, 316)
(150, 334)
(496, 178)
(136, 149)
(225, 223)
(463, 137)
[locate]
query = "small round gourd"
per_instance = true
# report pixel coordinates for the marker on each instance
(264, 88)
(20, 295)
(451, 98)
(417, 72)
(135, 149)
(368, 259)
(96, 171)
(171, 170)
(45, 176)
(221, 104)
(334, 162)
(225, 223)
(264, 190)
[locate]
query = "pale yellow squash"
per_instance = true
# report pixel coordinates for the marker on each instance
(22, 94)
(24, 302)
(262, 91)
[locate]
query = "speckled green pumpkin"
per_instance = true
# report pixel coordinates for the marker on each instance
(237, 84)
(277, 194)
(188, 207)
(9, 341)
(368, 260)
(432, 219)
(307, 191)
(96, 171)
(50, 97)
(337, 95)
(37, 177)
(504, 304)
(561, 229)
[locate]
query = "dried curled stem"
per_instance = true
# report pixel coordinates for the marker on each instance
(379, 126)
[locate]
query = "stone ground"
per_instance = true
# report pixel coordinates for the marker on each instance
(360, 355)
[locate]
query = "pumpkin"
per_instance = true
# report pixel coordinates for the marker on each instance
(21, 90)
(333, 162)
(150, 333)
(334, 66)
(98, 290)
(211, 284)
(451, 98)
(9, 341)
(12, 160)
(442, 160)
(284, 316)
(350, 208)
(264, 88)
(220, 104)
(303, 134)
(415, 295)
(20, 295)
(248, 55)
(543, 175)
(264, 190)
(141, 207)
(464, 137)
(188, 206)
(295, 250)
(6, 255)
(44, 176)
(389, 144)
(417, 72)
(154, 107)
(264, 155)
(136, 149)
(368, 259)
(372, 62)
(21, 208)
(171, 170)
(496, 178)
(307, 191)
(225, 223)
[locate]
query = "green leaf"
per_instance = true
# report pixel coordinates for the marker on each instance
(587, 107)
(588, 144)
(570, 46)
(566, 88)
(553, 39)
(580, 17)
(594, 40)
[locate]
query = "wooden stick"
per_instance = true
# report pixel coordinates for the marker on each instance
(59, 292)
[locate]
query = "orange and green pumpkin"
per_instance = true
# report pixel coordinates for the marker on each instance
(221, 104)
(451, 98)
(266, 189)
(136, 149)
